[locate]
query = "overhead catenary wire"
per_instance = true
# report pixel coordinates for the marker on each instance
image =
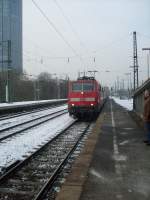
(37, 46)
(62, 36)
(64, 39)
(56, 29)
(29, 59)
(118, 40)
(70, 24)
(51, 57)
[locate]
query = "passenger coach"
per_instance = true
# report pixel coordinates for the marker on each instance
(84, 97)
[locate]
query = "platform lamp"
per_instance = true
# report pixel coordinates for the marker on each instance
(148, 59)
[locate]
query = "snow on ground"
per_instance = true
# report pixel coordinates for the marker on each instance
(15, 148)
(16, 120)
(126, 103)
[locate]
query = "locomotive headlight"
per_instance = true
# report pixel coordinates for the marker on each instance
(72, 105)
(92, 104)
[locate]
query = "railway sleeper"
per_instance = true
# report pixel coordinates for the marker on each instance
(36, 177)
(17, 181)
(19, 196)
(35, 169)
(21, 187)
(37, 172)
(13, 191)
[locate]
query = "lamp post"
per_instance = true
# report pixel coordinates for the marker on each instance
(148, 59)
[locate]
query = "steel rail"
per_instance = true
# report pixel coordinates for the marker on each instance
(34, 125)
(28, 121)
(54, 176)
(20, 164)
(27, 112)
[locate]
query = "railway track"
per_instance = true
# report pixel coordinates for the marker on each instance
(10, 116)
(20, 127)
(32, 178)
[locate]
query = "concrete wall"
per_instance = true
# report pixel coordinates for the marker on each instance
(138, 98)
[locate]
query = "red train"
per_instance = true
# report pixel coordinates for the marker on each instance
(85, 97)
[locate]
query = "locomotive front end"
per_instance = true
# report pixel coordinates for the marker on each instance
(83, 98)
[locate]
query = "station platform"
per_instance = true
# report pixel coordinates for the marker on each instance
(115, 163)
(7, 108)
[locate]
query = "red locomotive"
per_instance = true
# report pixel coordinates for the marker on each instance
(84, 97)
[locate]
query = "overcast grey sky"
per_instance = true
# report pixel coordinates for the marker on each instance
(101, 29)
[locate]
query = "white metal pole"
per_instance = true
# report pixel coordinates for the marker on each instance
(148, 64)
(7, 93)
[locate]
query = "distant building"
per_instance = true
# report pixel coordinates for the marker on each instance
(11, 30)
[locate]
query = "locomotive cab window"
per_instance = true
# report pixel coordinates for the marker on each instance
(77, 87)
(88, 86)
(82, 87)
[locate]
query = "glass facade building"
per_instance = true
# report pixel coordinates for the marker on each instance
(11, 30)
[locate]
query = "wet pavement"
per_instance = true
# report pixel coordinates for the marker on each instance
(120, 167)
(114, 164)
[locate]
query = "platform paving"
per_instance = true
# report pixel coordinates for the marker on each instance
(114, 164)
(120, 166)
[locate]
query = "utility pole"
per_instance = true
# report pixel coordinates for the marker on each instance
(8, 61)
(135, 62)
(118, 85)
(8, 85)
(58, 87)
(36, 87)
(38, 90)
(2, 72)
(148, 65)
(115, 87)
(123, 84)
(128, 85)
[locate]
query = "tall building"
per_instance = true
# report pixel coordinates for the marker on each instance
(11, 30)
